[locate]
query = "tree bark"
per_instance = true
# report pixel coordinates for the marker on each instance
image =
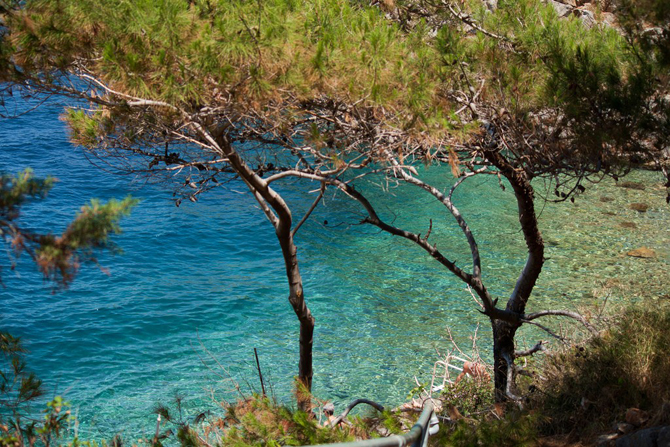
(503, 332)
(279, 214)
(297, 300)
(503, 348)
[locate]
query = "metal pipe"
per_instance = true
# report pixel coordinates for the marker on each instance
(416, 437)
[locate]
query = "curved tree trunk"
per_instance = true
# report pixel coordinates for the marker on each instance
(279, 214)
(504, 332)
(297, 300)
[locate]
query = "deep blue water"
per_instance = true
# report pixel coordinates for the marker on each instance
(207, 279)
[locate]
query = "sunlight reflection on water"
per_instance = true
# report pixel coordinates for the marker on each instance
(210, 275)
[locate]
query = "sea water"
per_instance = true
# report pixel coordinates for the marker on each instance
(198, 287)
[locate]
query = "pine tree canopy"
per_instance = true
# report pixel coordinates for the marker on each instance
(290, 68)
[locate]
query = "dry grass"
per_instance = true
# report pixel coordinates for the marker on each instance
(589, 388)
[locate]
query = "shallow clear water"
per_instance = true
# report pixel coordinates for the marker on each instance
(207, 278)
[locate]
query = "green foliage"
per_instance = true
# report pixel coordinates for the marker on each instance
(58, 257)
(417, 390)
(273, 52)
(391, 422)
(83, 127)
(600, 87)
(19, 388)
(179, 51)
(56, 418)
(555, 59)
(599, 82)
(16, 190)
(513, 430)
(648, 22)
(255, 421)
(254, 58)
(469, 396)
(469, 417)
(260, 422)
(590, 387)
(187, 437)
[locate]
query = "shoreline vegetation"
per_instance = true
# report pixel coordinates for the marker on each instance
(591, 391)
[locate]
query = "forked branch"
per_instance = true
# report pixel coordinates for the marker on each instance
(310, 210)
(446, 201)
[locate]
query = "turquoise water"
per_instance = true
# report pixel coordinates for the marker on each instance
(207, 279)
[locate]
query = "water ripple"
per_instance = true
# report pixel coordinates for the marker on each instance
(210, 275)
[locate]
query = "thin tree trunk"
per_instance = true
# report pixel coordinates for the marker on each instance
(297, 300)
(306, 342)
(503, 348)
(281, 219)
(504, 332)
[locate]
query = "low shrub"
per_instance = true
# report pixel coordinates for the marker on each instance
(588, 388)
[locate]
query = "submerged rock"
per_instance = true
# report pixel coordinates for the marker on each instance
(628, 225)
(606, 199)
(641, 207)
(632, 185)
(642, 252)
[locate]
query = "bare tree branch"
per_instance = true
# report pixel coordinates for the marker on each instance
(539, 347)
(562, 313)
(468, 20)
(311, 209)
(446, 201)
(510, 377)
(546, 329)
